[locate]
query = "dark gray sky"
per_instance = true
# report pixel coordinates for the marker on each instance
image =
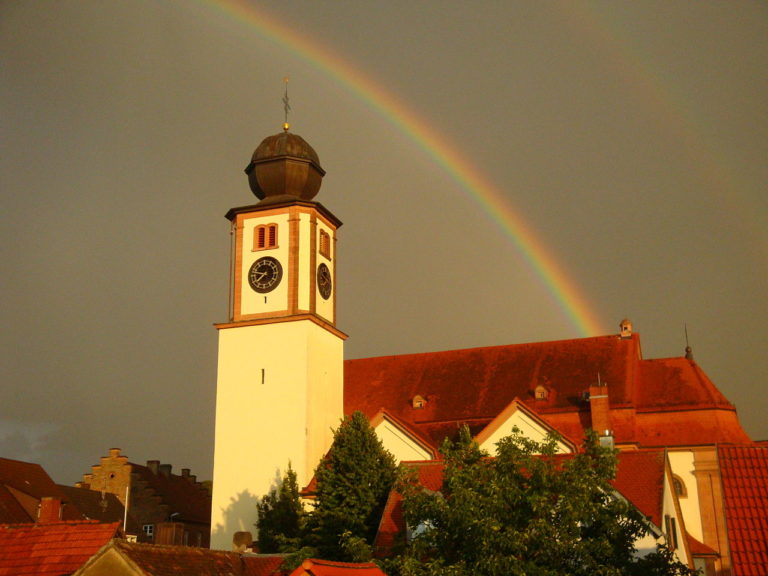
(631, 137)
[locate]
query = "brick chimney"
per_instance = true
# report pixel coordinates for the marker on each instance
(153, 466)
(50, 510)
(165, 470)
(600, 410)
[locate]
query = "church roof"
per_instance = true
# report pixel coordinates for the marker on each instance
(472, 386)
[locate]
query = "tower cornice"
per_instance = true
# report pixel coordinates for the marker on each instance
(278, 319)
(282, 203)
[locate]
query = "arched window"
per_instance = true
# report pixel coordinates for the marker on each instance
(265, 237)
(418, 402)
(679, 486)
(541, 392)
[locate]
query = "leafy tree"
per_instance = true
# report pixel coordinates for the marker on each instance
(528, 511)
(353, 481)
(281, 516)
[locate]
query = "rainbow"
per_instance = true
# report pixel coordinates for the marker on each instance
(551, 273)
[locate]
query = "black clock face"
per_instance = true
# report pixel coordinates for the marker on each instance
(265, 274)
(324, 282)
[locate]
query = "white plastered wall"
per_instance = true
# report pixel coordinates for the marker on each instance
(528, 427)
(682, 464)
(254, 302)
(279, 392)
(402, 446)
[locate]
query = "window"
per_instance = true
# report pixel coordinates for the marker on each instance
(265, 237)
(325, 244)
(540, 393)
(671, 526)
(149, 530)
(418, 402)
(679, 486)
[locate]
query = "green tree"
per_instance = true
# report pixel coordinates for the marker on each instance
(528, 511)
(281, 516)
(353, 481)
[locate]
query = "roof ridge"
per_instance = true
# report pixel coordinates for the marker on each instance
(491, 347)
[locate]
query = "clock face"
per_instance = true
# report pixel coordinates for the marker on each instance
(324, 282)
(265, 274)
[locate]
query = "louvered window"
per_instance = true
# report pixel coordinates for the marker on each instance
(265, 237)
(325, 244)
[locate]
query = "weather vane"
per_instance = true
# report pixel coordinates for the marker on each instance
(286, 105)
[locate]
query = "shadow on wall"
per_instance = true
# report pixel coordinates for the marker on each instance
(239, 516)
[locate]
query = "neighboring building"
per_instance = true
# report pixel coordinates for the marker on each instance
(163, 508)
(27, 492)
(51, 549)
(280, 369)
(120, 558)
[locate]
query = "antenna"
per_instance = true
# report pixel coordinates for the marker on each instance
(286, 105)
(688, 349)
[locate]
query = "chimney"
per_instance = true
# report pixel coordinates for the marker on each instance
(625, 327)
(165, 470)
(153, 466)
(50, 510)
(600, 410)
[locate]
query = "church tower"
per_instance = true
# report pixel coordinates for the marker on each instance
(280, 370)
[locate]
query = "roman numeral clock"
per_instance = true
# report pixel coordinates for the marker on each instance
(280, 370)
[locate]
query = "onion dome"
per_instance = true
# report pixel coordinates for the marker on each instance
(284, 167)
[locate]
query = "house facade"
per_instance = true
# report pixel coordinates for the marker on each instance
(163, 507)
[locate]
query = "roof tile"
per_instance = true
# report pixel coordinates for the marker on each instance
(744, 473)
(50, 549)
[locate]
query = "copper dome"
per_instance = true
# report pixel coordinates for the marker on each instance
(284, 166)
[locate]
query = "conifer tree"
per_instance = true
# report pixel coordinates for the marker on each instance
(353, 481)
(281, 516)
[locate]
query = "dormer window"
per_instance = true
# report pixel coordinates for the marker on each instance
(325, 244)
(541, 392)
(418, 402)
(265, 237)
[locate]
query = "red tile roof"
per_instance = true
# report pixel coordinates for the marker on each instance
(157, 560)
(744, 473)
(668, 402)
(50, 549)
(314, 567)
(699, 549)
(640, 479)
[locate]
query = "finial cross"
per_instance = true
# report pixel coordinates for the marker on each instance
(286, 105)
